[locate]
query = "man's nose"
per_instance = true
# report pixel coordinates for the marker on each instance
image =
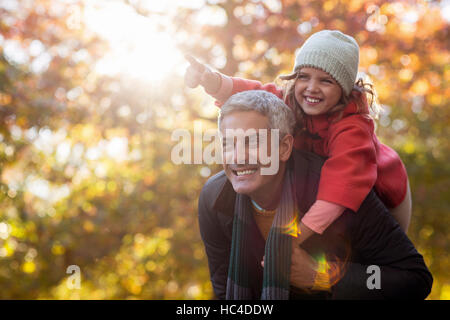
(239, 153)
(233, 152)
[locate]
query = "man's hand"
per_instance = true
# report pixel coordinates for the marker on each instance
(304, 232)
(303, 268)
(199, 74)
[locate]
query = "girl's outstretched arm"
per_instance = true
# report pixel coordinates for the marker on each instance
(221, 86)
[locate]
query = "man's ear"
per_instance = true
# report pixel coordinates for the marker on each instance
(286, 145)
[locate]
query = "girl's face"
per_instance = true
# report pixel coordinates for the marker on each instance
(316, 91)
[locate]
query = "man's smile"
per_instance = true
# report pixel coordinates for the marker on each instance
(246, 171)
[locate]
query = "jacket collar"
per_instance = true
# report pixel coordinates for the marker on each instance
(318, 125)
(225, 200)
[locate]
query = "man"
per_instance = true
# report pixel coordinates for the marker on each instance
(248, 222)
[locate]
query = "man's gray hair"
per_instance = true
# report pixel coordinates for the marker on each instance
(279, 114)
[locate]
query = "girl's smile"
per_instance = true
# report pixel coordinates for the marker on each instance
(316, 91)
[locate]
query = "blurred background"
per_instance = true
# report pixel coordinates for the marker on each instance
(91, 91)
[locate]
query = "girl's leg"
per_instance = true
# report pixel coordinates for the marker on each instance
(402, 213)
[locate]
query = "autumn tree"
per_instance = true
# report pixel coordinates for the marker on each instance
(86, 173)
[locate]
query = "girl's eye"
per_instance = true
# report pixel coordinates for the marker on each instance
(327, 81)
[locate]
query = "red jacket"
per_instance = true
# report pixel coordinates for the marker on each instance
(357, 160)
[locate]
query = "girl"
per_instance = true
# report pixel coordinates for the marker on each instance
(333, 120)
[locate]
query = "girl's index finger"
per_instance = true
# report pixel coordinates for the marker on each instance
(197, 65)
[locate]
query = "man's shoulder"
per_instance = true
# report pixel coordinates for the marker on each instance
(213, 186)
(305, 161)
(216, 181)
(218, 195)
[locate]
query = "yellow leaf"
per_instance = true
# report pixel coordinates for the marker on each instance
(405, 75)
(409, 148)
(88, 226)
(28, 267)
(420, 87)
(58, 249)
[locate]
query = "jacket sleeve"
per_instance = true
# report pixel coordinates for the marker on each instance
(321, 215)
(232, 85)
(350, 171)
(216, 244)
(378, 240)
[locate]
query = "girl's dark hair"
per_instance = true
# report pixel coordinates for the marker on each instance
(359, 94)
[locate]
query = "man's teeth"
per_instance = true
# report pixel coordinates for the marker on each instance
(312, 100)
(241, 173)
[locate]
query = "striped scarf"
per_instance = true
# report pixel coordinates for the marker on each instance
(277, 261)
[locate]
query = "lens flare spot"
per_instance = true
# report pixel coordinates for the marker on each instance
(292, 228)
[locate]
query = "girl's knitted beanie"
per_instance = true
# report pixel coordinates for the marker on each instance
(333, 52)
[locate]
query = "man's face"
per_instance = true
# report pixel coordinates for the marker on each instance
(246, 178)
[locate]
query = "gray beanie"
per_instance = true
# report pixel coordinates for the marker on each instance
(333, 52)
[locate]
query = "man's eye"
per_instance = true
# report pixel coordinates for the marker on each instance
(227, 145)
(252, 142)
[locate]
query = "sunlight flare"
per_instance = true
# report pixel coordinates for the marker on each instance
(137, 47)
